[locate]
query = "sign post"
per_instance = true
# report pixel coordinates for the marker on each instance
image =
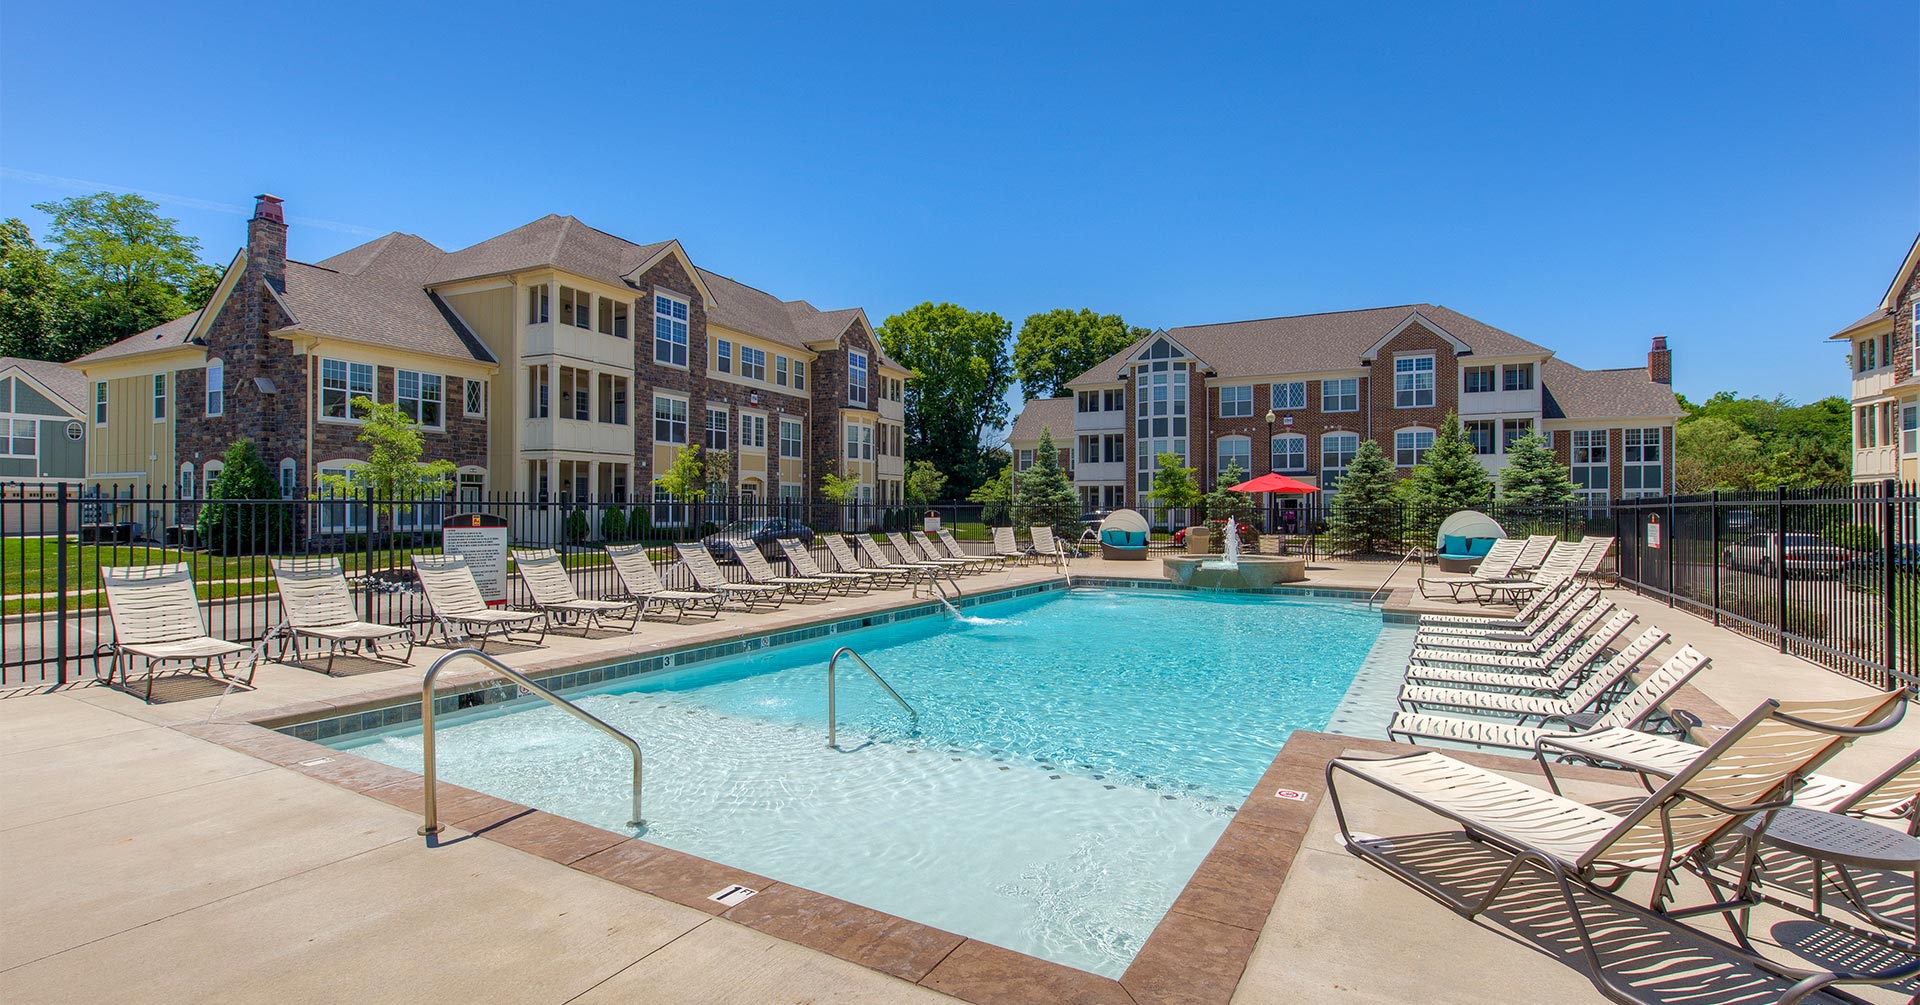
(481, 539)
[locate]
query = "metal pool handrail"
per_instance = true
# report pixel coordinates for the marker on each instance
(833, 665)
(1411, 553)
(430, 768)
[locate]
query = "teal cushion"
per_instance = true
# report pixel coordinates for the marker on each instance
(1123, 538)
(1454, 545)
(1479, 546)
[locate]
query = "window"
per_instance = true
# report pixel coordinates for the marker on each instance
(780, 370)
(159, 396)
(1288, 395)
(1910, 429)
(1591, 479)
(1513, 429)
(1640, 468)
(418, 395)
(1089, 449)
(716, 429)
(473, 400)
(669, 419)
(473, 488)
(669, 330)
(853, 442)
(1479, 433)
(1115, 448)
(185, 486)
(1410, 446)
(753, 431)
(99, 402)
(1341, 395)
(576, 307)
(1336, 452)
(213, 475)
(723, 356)
(1413, 382)
(539, 301)
(216, 387)
(340, 383)
(613, 399)
(1516, 377)
(287, 470)
(753, 363)
(1288, 452)
(19, 437)
(1023, 460)
(866, 443)
(1087, 401)
(613, 317)
(799, 378)
(538, 389)
(1477, 379)
(857, 377)
(575, 402)
(1116, 400)
(1234, 451)
(790, 439)
(1865, 356)
(1236, 402)
(1160, 413)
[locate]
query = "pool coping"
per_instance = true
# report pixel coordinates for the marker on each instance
(1195, 955)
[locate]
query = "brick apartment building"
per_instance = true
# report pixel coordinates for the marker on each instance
(1886, 379)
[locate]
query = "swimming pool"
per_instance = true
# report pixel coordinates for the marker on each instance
(1078, 753)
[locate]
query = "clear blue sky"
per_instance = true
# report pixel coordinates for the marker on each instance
(1743, 179)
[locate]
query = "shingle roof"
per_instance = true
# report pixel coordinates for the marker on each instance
(1568, 392)
(70, 385)
(789, 322)
(561, 242)
(376, 294)
(1055, 414)
(162, 336)
(1872, 316)
(1311, 343)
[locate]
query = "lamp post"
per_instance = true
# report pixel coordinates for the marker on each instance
(1271, 517)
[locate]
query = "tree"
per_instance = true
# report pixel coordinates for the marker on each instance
(126, 268)
(1730, 442)
(924, 483)
(1059, 345)
(694, 468)
(1364, 517)
(995, 497)
(837, 489)
(1713, 453)
(1533, 478)
(961, 375)
(1044, 497)
(1223, 503)
(1173, 483)
(393, 470)
(243, 530)
(1448, 479)
(34, 309)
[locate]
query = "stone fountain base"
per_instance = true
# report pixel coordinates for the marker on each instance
(1254, 572)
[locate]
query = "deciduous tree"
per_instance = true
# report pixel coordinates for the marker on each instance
(1056, 346)
(125, 267)
(961, 375)
(393, 471)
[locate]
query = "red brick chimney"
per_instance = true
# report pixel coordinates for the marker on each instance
(1660, 361)
(267, 242)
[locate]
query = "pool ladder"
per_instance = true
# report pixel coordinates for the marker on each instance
(1404, 559)
(833, 667)
(430, 771)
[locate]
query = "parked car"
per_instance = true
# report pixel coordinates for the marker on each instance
(1906, 558)
(1093, 519)
(1806, 555)
(761, 533)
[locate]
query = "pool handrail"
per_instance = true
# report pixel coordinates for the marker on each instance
(430, 768)
(833, 665)
(1404, 559)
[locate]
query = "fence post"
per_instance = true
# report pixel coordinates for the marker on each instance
(1888, 581)
(1713, 517)
(60, 582)
(1672, 531)
(366, 570)
(1780, 564)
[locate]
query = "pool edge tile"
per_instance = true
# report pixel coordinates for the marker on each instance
(986, 974)
(874, 939)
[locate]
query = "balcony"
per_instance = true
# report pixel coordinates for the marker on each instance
(895, 410)
(576, 437)
(1094, 422)
(605, 351)
(1105, 471)
(890, 466)
(1874, 383)
(1517, 403)
(1876, 462)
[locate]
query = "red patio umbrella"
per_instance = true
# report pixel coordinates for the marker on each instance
(1275, 483)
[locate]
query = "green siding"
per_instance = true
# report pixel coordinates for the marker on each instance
(29, 401)
(61, 457)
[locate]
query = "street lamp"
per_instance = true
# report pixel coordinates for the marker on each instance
(1271, 516)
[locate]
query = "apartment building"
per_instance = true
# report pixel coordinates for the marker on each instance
(1886, 379)
(554, 360)
(43, 432)
(1296, 395)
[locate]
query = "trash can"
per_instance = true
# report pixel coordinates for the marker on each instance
(1199, 539)
(931, 522)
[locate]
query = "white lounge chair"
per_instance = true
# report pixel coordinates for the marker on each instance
(317, 603)
(844, 557)
(932, 550)
(954, 550)
(707, 575)
(553, 593)
(873, 557)
(156, 616)
(1517, 643)
(1045, 545)
(1535, 549)
(1535, 705)
(755, 566)
(802, 562)
(454, 598)
(910, 553)
(1496, 564)
(1555, 571)
(1535, 617)
(1593, 650)
(1597, 548)
(640, 581)
(1008, 547)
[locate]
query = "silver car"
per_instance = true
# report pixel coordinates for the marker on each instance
(1806, 555)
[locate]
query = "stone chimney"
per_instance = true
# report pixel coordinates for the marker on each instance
(1660, 361)
(267, 242)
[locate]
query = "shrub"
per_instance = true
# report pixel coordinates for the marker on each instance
(235, 529)
(575, 527)
(613, 524)
(640, 523)
(1853, 536)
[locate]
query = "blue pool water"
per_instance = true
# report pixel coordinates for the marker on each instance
(1077, 755)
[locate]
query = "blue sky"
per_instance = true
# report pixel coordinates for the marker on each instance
(1743, 180)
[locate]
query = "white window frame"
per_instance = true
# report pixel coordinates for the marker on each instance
(1287, 453)
(1343, 452)
(372, 389)
(9, 429)
(1470, 427)
(159, 397)
(1244, 455)
(216, 387)
(1410, 368)
(288, 471)
(419, 400)
(675, 312)
(780, 370)
(99, 402)
(858, 376)
(1507, 435)
(1634, 443)
(1342, 390)
(753, 363)
(753, 431)
(1467, 373)
(1408, 438)
(1587, 456)
(185, 482)
(468, 397)
(723, 355)
(671, 419)
(1910, 430)
(539, 304)
(799, 376)
(1287, 395)
(718, 436)
(1507, 378)
(1236, 401)
(798, 440)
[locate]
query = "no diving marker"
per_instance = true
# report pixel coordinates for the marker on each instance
(1294, 794)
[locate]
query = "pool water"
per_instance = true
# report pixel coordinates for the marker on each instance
(1078, 753)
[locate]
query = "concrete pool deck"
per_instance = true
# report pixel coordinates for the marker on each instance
(139, 861)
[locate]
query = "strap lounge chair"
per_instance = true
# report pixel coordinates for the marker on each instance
(707, 575)
(1496, 565)
(1588, 852)
(1531, 705)
(1597, 548)
(844, 557)
(553, 593)
(1044, 544)
(954, 550)
(799, 587)
(1008, 547)
(909, 552)
(1534, 551)
(640, 581)
(875, 558)
(316, 603)
(454, 597)
(1536, 678)
(1533, 660)
(1632, 710)
(1517, 643)
(931, 550)
(1555, 571)
(1533, 618)
(156, 616)
(802, 562)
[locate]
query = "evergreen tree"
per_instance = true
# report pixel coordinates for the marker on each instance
(1534, 480)
(1448, 479)
(1223, 503)
(1044, 497)
(1364, 516)
(243, 530)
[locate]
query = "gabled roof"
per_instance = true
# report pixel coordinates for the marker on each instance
(169, 335)
(554, 241)
(67, 385)
(1891, 299)
(1044, 413)
(376, 294)
(1873, 318)
(1315, 343)
(1568, 392)
(796, 323)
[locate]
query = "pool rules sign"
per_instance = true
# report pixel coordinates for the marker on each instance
(481, 539)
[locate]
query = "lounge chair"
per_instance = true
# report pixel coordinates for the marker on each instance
(847, 561)
(1045, 546)
(1496, 565)
(1555, 571)
(1503, 672)
(640, 581)
(954, 550)
(931, 550)
(707, 575)
(1534, 551)
(1588, 852)
(156, 616)
(1535, 616)
(1008, 547)
(874, 557)
(802, 562)
(1541, 705)
(1517, 643)
(1894, 794)
(1632, 710)
(908, 552)
(1597, 548)
(316, 603)
(553, 593)
(454, 598)
(1537, 657)
(759, 571)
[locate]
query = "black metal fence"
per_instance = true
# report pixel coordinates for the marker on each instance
(53, 545)
(1831, 575)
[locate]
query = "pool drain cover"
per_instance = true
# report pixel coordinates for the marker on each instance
(731, 895)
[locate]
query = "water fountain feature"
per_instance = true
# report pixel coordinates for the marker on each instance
(1233, 570)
